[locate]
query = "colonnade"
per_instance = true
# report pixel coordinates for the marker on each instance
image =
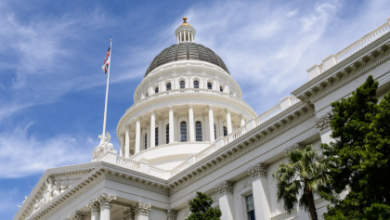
(125, 138)
(185, 36)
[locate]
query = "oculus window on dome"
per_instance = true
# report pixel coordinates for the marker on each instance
(168, 86)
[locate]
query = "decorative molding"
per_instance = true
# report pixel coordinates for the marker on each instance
(142, 208)
(76, 216)
(224, 187)
(171, 214)
(258, 170)
(105, 200)
(323, 123)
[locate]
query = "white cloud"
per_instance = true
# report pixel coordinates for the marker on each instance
(292, 13)
(24, 155)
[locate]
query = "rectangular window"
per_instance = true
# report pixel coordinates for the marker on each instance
(250, 208)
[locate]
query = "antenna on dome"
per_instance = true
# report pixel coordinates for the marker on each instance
(185, 33)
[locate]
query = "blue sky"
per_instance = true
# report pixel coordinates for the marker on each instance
(52, 88)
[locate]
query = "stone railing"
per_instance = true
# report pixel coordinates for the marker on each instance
(126, 162)
(186, 90)
(204, 153)
(234, 135)
(180, 168)
(363, 42)
(268, 114)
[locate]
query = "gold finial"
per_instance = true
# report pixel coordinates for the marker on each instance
(111, 40)
(184, 19)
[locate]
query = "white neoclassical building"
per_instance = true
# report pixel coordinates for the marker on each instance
(189, 130)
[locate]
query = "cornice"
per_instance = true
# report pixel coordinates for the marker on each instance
(346, 71)
(185, 96)
(253, 139)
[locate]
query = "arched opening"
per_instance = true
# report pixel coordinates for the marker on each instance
(156, 137)
(225, 131)
(215, 132)
(168, 86)
(196, 84)
(220, 89)
(146, 94)
(198, 131)
(182, 84)
(146, 141)
(209, 85)
(183, 131)
(156, 90)
(167, 134)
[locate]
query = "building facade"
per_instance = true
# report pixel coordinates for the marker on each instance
(189, 130)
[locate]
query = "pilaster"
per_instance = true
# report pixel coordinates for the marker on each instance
(226, 201)
(258, 172)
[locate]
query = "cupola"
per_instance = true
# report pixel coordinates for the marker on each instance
(185, 32)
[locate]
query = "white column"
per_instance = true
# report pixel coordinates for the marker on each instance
(180, 37)
(142, 211)
(171, 126)
(191, 119)
(211, 123)
(137, 136)
(185, 35)
(121, 145)
(127, 142)
(242, 120)
(160, 131)
(152, 129)
(220, 122)
(94, 206)
(192, 37)
(105, 201)
(226, 201)
(177, 38)
(260, 192)
(228, 121)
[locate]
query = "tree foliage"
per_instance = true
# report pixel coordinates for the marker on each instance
(359, 156)
(304, 172)
(201, 209)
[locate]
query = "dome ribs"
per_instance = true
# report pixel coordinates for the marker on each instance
(186, 51)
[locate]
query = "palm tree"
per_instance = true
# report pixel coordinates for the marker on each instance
(304, 172)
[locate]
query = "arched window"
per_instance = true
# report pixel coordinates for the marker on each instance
(156, 90)
(182, 84)
(209, 85)
(198, 129)
(215, 132)
(220, 89)
(183, 131)
(146, 141)
(156, 137)
(146, 94)
(167, 134)
(225, 131)
(168, 86)
(196, 84)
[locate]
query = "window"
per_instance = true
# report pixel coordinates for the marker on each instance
(146, 141)
(209, 86)
(196, 84)
(220, 89)
(250, 209)
(182, 84)
(215, 132)
(167, 134)
(168, 86)
(183, 131)
(156, 137)
(198, 129)
(146, 94)
(224, 131)
(156, 90)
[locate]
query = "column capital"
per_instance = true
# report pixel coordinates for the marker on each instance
(152, 112)
(190, 105)
(323, 123)
(226, 110)
(171, 214)
(142, 208)
(76, 216)
(208, 107)
(138, 118)
(224, 187)
(170, 107)
(242, 116)
(93, 205)
(106, 200)
(258, 170)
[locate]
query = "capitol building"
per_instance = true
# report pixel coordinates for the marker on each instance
(190, 130)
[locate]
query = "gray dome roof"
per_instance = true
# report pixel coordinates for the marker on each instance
(186, 51)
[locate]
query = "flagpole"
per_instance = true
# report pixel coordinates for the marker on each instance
(108, 81)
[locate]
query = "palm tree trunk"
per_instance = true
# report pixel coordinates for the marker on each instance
(310, 201)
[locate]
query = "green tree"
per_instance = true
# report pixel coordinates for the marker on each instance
(359, 156)
(201, 209)
(304, 173)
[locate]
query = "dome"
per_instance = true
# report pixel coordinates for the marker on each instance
(186, 51)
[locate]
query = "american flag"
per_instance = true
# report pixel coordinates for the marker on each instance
(107, 60)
